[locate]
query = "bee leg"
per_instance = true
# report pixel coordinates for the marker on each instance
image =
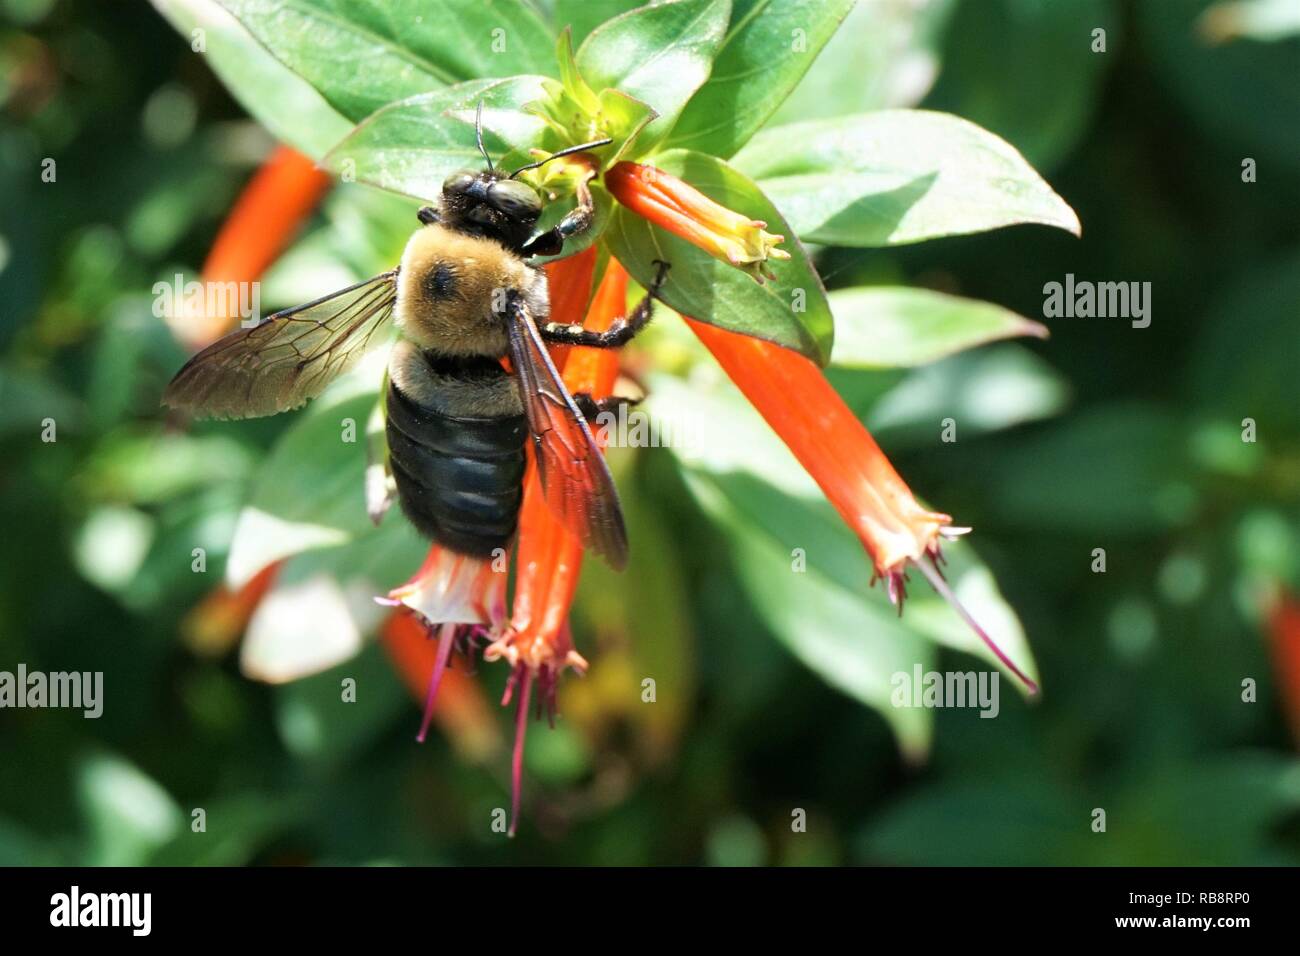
(620, 330)
(428, 215)
(577, 220)
(592, 408)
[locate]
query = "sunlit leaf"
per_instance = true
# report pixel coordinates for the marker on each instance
(883, 327)
(364, 56)
(659, 54)
(986, 390)
(769, 47)
(888, 49)
(897, 176)
(583, 16)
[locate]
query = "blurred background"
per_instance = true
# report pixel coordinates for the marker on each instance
(1103, 436)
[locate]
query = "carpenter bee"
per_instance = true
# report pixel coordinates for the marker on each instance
(457, 422)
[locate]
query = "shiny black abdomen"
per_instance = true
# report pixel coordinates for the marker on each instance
(459, 478)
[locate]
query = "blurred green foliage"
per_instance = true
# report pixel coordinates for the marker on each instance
(1102, 436)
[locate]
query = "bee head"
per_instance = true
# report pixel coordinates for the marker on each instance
(491, 203)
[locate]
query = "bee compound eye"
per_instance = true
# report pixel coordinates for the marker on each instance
(515, 199)
(458, 183)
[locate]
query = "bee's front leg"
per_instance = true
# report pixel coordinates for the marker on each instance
(619, 331)
(577, 220)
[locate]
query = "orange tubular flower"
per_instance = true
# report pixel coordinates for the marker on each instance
(538, 643)
(685, 211)
(836, 449)
(795, 398)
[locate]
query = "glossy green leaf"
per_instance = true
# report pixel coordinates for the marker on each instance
(898, 176)
(659, 54)
(362, 56)
(281, 100)
(790, 310)
(411, 146)
(769, 47)
(851, 642)
(887, 327)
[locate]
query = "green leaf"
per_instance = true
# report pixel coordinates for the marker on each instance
(1040, 89)
(889, 50)
(411, 146)
(768, 49)
(281, 100)
(898, 176)
(790, 310)
(362, 56)
(658, 54)
(988, 390)
(851, 642)
(309, 493)
(129, 815)
(882, 327)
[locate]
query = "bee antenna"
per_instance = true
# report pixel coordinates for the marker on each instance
(581, 147)
(478, 134)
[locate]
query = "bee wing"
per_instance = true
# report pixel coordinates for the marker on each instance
(578, 486)
(289, 357)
